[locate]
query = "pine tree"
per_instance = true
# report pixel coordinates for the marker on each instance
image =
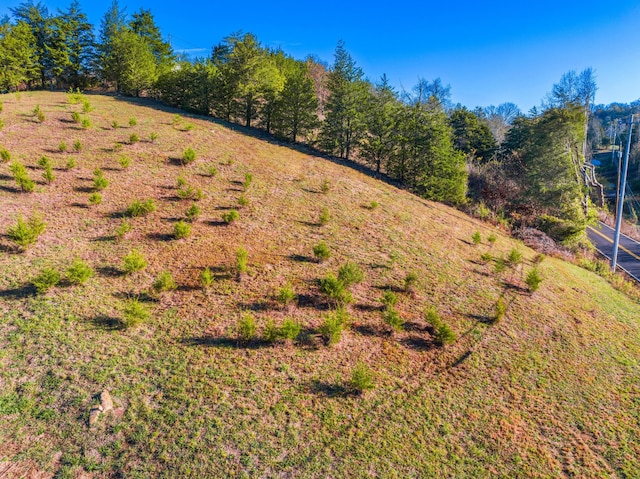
(297, 105)
(143, 24)
(18, 60)
(379, 142)
(80, 47)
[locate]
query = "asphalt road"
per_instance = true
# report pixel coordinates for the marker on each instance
(628, 252)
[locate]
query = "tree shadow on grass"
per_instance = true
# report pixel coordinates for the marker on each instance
(418, 343)
(160, 236)
(257, 306)
(482, 318)
(107, 323)
(216, 223)
(461, 359)
(83, 206)
(84, 189)
(10, 189)
(327, 389)
(299, 258)
(225, 342)
(143, 297)
(25, 291)
(109, 271)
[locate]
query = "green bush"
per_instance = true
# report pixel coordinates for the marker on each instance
(75, 117)
(230, 216)
(533, 279)
(350, 274)
(164, 282)
(86, 106)
(486, 257)
(77, 146)
(140, 208)
(515, 257)
(500, 266)
(192, 213)
(181, 181)
(5, 156)
(124, 161)
(71, 163)
(47, 174)
(271, 332)
(39, 114)
(46, 280)
(115, 125)
(389, 299)
(246, 328)
(21, 176)
(410, 281)
(188, 156)
(85, 123)
(325, 186)
(134, 261)
(243, 201)
(492, 238)
(393, 319)
(335, 290)
(99, 181)
(372, 205)
(248, 179)
(176, 119)
(361, 378)
(324, 216)
(122, 230)
(181, 230)
(443, 333)
(190, 193)
(188, 127)
(476, 238)
(286, 295)
(25, 233)
(333, 326)
(95, 198)
(321, 251)
(62, 147)
(153, 137)
(290, 329)
(79, 272)
(242, 258)
(134, 313)
(206, 278)
(134, 138)
(501, 309)
(212, 170)
(133, 121)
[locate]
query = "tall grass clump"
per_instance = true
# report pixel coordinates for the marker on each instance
(25, 233)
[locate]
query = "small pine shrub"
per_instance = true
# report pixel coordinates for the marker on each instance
(75, 117)
(117, 146)
(1, 124)
(43, 162)
(188, 127)
(483, 211)
(285, 295)
(212, 170)
(74, 97)
(153, 137)
(500, 265)
(192, 213)
(476, 238)
(134, 313)
(46, 280)
(134, 261)
(248, 179)
(321, 251)
(122, 230)
(1, 106)
(86, 107)
(47, 174)
(350, 274)
(515, 257)
(176, 119)
(271, 332)
(114, 124)
(95, 198)
(242, 258)
(290, 329)
(393, 319)
(99, 181)
(77, 146)
(133, 121)
(501, 309)
(486, 257)
(325, 187)
(181, 230)
(246, 328)
(25, 233)
(372, 206)
(79, 272)
(443, 333)
(164, 282)
(533, 279)
(335, 290)
(5, 156)
(134, 138)
(71, 163)
(188, 156)
(140, 208)
(181, 181)
(230, 216)
(324, 216)
(389, 299)
(21, 176)
(124, 161)
(333, 326)
(243, 201)
(361, 378)
(62, 147)
(206, 278)
(492, 238)
(39, 114)
(190, 193)
(86, 123)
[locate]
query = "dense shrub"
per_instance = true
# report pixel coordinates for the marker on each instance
(124, 161)
(25, 233)
(140, 208)
(242, 258)
(533, 280)
(21, 177)
(246, 328)
(230, 216)
(335, 290)
(393, 319)
(515, 257)
(134, 313)
(192, 213)
(79, 272)
(99, 181)
(181, 230)
(206, 278)
(164, 282)
(134, 138)
(361, 378)
(333, 326)
(134, 261)
(133, 121)
(46, 280)
(443, 334)
(476, 238)
(286, 295)
(389, 298)
(188, 156)
(350, 274)
(321, 251)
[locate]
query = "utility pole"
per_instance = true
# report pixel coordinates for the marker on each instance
(623, 180)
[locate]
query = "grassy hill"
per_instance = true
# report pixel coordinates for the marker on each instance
(550, 390)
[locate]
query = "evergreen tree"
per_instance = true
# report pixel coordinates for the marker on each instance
(471, 135)
(113, 22)
(345, 109)
(18, 60)
(79, 45)
(143, 24)
(130, 63)
(36, 15)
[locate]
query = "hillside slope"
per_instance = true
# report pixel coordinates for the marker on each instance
(550, 390)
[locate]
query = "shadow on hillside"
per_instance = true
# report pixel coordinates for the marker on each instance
(418, 343)
(19, 293)
(461, 359)
(142, 297)
(109, 271)
(482, 318)
(257, 306)
(10, 189)
(107, 323)
(299, 258)
(327, 389)
(160, 237)
(261, 135)
(225, 342)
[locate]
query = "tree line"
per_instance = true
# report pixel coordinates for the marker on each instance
(525, 168)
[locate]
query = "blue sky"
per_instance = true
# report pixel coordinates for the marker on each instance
(489, 52)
